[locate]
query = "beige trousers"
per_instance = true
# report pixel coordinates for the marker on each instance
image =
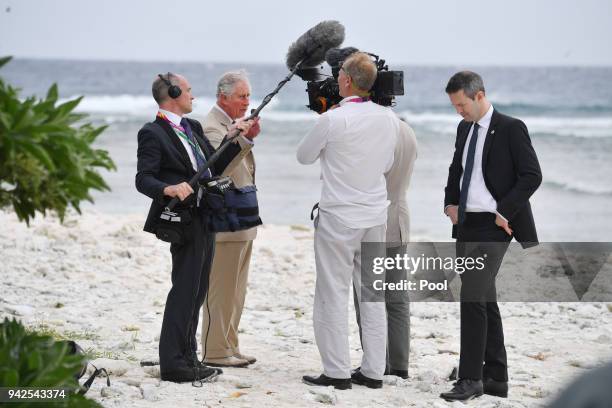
(225, 299)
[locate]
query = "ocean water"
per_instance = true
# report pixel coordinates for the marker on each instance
(568, 111)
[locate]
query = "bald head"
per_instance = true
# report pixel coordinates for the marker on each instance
(180, 105)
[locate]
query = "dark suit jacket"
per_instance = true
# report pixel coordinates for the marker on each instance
(511, 172)
(163, 161)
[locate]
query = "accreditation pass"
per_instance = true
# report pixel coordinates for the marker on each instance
(31, 394)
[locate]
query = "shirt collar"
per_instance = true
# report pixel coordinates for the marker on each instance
(485, 121)
(220, 109)
(349, 98)
(173, 117)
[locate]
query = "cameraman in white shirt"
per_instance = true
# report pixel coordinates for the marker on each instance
(355, 143)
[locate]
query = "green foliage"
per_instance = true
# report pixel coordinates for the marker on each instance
(28, 359)
(46, 158)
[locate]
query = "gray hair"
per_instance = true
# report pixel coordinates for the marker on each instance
(470, 82)
(362, 70)
(160, 87)
(228, 82)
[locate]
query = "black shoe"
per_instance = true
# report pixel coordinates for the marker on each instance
(495, 388)
(464, 390)
(358, 378)
(398, 373)
(192, 361)
(203, 366)
(338, 383)
(189, 374)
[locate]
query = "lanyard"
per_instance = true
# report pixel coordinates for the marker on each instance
(180, 132)
(358, 100)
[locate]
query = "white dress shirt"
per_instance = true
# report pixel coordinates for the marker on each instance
(176, 119)
(479, 198)
(355, 143)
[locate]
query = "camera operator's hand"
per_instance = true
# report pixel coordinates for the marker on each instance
(182, 191)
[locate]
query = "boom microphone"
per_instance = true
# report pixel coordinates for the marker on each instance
(336, 56)
(311, 47)
(307, 51)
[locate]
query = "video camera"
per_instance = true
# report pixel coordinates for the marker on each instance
(324, 93)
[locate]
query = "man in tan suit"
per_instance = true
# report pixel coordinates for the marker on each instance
(398, 181)
(398, 235)
(228, 278)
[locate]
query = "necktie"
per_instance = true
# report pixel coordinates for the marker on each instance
(467, 174)
(199, 159)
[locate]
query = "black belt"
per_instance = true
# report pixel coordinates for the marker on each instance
(479, 218)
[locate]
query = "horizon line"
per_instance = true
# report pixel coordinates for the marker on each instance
(420, 64)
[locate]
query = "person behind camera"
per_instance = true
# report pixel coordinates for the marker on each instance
(170, 152)
(355, 143)
(230, 268)
(398, 236)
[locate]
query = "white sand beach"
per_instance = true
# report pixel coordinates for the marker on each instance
(102, 281)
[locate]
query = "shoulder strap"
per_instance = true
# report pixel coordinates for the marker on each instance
(87, 384)
(312, 212)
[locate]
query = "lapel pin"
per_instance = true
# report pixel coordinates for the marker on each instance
(492, 132)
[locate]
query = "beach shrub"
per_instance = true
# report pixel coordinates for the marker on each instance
(28, 359)
(47, 162)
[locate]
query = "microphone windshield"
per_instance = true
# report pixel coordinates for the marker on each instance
(336, 56)
(314, 43)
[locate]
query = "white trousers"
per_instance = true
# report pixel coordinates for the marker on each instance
(338, 261)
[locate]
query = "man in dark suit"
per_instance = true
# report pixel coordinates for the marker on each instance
(493, 173)
(170, 151)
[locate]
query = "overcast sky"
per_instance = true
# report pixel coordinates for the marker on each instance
(449, 32)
